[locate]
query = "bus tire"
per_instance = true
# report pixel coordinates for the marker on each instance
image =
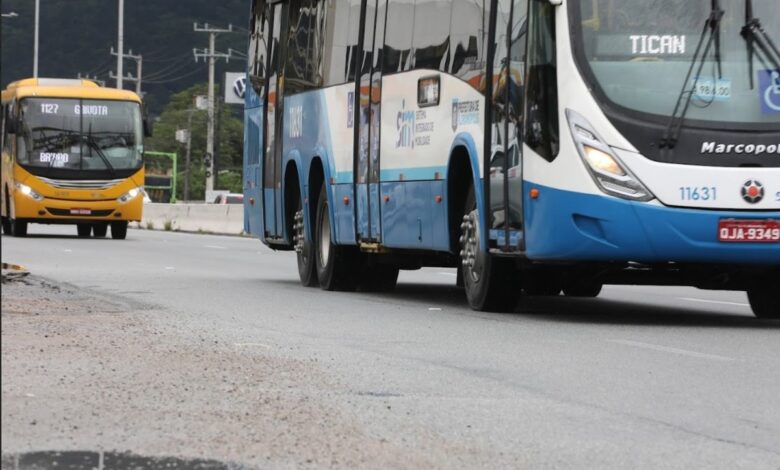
(307, 271)
(335, 264)
(490, 283)
(764, 302)
(119, 230)
(100, 230)
(6, 225)
(84, 230)
(18, 228)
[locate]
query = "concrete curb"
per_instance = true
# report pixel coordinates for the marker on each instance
(223, 219)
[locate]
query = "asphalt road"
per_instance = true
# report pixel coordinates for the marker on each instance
(641, 377)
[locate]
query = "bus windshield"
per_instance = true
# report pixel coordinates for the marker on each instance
(637, 54)
(80, 135)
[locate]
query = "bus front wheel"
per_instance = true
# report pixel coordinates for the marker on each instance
(335, 266)
(764, 302)
(119, 230)
(490, 283)
(6, 226)
(84, 230)
(18, 228)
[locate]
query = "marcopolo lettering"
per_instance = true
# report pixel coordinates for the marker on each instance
(745, 149)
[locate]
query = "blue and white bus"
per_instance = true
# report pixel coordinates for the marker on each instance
(540, 146)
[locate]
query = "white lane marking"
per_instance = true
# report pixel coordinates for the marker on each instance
(169, 268)
(68, 250)
(447, 274)
(684, 352)
(252, 344)
(434, 309)
(215, 247)
(720, 302)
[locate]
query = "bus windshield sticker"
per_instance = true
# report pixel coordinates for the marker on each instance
(769, 89)
(655, 44)
(709, 89)
(57, 160)
(49, 108)
(90, 110)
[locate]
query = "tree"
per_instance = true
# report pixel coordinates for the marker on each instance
(229, 139)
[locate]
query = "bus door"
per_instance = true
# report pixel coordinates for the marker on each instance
(368, 91)
(272, 125)
(506, 124)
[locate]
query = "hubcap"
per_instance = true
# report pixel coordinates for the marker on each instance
(471, 256)
(324, 236)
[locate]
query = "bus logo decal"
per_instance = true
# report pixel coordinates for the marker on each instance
(753, 191)
(405, 126)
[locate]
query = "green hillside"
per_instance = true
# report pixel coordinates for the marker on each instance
(76, 36)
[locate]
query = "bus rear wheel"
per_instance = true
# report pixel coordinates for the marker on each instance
(84, 230)
(100, 230)
(119, 230)
(335, 264)
(765, 302)
(490, 283)
(305, 250)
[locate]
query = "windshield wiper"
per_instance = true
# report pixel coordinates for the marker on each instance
(754, 35)
(93, 143)
(712, 24)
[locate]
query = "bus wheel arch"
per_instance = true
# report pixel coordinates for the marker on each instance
(459, 178)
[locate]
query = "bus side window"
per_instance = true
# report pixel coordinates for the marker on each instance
(398, 37)
(431, 39)
(258, 46)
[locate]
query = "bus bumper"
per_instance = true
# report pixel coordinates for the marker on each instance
(74, 211)
(569, 226)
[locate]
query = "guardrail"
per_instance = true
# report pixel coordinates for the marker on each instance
(208, 218)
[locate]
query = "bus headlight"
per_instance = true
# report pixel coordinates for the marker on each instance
(130, 195)
(609, 173)
(28, 191)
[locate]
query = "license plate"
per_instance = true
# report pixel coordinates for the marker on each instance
(749, 231)
(81, 211)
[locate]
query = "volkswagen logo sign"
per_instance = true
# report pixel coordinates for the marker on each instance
(753, 191)
(239, 87)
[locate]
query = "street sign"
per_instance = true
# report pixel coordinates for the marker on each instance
(235, 87)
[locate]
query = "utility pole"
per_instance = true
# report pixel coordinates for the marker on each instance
(120, 45)
(35, 46)
(212, 55)
(139, 60)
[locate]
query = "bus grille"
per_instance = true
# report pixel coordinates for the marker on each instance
(67, 213)
(81, 184)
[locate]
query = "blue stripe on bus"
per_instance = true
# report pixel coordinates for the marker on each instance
(565, 225)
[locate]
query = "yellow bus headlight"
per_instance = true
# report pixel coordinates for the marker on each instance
(130, 195)
(28, 191)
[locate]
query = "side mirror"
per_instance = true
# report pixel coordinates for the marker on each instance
(147, 127)
(12, 123)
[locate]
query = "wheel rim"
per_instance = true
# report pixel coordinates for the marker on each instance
(472, 258)
(324, 236)
(299, 237)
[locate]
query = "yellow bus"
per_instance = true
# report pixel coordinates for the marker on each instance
(72, 154)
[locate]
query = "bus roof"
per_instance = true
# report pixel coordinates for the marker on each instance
(65, 88)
